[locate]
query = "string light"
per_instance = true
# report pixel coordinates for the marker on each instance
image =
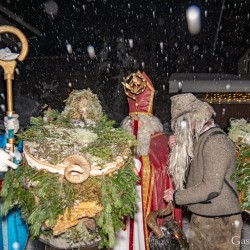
(227, 98)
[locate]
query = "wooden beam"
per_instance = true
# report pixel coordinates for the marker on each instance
(19, 20)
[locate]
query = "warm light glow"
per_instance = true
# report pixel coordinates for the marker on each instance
(227, 98)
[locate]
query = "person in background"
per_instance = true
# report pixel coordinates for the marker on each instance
(13, 229)
(152, 152)
(201, 162)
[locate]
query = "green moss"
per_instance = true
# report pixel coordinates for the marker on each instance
(43, 196)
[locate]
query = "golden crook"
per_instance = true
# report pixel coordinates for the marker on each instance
(9, 67)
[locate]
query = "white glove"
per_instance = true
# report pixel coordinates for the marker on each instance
(137, 164)
(5, 160)
(11, 124)
(16, 153)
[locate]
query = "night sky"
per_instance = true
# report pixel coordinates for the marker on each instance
(95, 43)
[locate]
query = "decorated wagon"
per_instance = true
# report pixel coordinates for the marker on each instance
(76, 182)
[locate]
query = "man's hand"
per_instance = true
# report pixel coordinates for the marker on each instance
(5, 161)
(12, 123)
(172, 141)
(168, 195)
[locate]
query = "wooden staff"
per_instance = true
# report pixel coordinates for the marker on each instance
(9, 67)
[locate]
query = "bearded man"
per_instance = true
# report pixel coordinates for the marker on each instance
(202, 161)
(152, 152)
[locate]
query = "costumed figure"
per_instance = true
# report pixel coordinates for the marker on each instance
(14, 230)
(77, 180)
(202, 163)
(152, 152)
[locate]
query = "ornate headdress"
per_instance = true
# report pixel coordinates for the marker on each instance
(140, 91)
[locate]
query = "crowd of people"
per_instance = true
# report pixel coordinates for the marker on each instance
(191, 168)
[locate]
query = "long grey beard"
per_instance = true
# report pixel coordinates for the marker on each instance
(151, 125)
(182, 153)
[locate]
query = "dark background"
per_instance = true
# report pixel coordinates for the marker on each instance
(59, 33)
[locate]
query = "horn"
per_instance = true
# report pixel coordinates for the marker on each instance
(77, 170)
(152, 220)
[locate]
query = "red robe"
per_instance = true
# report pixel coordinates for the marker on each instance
(155, 179)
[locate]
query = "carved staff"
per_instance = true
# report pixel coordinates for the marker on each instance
(9, 67)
